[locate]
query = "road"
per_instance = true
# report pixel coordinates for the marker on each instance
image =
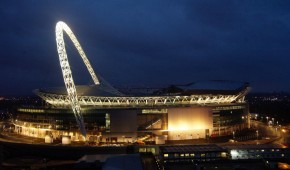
(280, 134)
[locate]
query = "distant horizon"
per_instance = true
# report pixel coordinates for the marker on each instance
(251, 91)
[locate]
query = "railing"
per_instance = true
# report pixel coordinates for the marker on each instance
(148, 101)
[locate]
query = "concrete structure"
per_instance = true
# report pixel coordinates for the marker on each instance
(180, 112)
(189, 123)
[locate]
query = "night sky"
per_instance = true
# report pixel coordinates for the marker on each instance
(147, 43)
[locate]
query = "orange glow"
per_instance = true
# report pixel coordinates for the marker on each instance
(182, 119)
(283, 165)
(183, 126)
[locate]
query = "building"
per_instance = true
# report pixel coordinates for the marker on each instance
(192, 153)
(102, 113)
(161, 120)
(248, 156)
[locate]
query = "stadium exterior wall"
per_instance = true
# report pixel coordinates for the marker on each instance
(119, 125)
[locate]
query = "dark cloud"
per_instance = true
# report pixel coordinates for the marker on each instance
(147, 43)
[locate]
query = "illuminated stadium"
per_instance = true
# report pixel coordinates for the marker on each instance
(102, 113)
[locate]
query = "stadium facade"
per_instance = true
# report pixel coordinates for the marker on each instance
(102, 113)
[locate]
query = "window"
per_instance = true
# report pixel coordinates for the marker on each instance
(223, 154)
(142, 149)
(165, 155)
(152, 150)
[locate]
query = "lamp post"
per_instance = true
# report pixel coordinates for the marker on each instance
(267, 120)
(233, 134)
(257, 134)
(283, 132)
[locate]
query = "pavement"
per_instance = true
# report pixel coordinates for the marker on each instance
(34, 163)
(266, 135)
(16, 138)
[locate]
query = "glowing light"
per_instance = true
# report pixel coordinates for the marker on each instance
(66, 71)
(234, 153)
(189, 119)
(283, 165)
(185, 127)
(223, 154)
(137, 101)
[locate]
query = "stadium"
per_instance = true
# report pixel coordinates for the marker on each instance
(102, 113)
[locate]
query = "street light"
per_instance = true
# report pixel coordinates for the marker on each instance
(233, 134)
(270, 123)
(284, 131)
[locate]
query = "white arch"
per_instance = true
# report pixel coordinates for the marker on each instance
(66, 71)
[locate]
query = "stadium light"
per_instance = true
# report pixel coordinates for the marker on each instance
(67, 73)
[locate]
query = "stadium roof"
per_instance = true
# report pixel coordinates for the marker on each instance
(204, 87)
(85, 90)
(214, 85)
(191, 148)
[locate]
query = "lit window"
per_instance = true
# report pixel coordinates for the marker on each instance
(223, 154)
(186, 155)
(282, 154)
(142, 149)
(182, 155)
(153, 150)
(234, 153)
(192, 154)
(166, 155)
(202, 155)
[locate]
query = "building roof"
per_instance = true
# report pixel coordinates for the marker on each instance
(125, 162)
(214, 85)
(253, 146)
(191, 148)
(85, 90)
(197, 88)
(206, 87)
